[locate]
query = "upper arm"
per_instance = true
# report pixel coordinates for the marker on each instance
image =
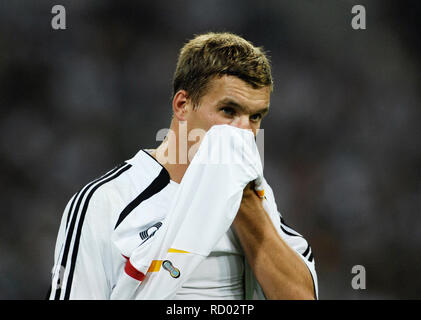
(303, 249)
(295, 240)
(78, 271)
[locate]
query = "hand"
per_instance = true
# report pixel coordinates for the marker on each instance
(250, 199)
(251, 206)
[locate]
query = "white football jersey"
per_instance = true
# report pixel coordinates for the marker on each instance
(87, 264)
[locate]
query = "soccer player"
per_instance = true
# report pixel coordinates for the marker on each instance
(220, 78)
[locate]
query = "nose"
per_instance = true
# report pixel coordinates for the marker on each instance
(242, 122)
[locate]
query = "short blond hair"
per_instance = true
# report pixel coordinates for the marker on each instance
(217, 54)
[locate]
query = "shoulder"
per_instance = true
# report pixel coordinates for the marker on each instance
(95, 203)
(99, 203)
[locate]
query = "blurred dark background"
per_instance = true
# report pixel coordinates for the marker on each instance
(342, 139)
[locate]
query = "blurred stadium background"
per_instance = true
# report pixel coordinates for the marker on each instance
(342, 139)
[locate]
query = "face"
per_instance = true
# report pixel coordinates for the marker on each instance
(229, 100)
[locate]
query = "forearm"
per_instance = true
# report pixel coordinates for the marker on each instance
(278, 268)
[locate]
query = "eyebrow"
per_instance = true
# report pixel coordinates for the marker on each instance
(234, 104)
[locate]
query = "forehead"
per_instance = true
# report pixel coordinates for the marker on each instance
(233, 88)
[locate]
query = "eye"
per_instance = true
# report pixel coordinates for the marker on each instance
(228, 111)
(256, 117)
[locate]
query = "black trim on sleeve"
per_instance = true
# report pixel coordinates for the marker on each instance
(100, 181)
(307, 251)
(310, 258)
(79, 229)
(71, 209)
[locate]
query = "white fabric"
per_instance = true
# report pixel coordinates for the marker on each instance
(203, 209)
(220, 276)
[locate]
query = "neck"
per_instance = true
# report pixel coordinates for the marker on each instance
(172, 152)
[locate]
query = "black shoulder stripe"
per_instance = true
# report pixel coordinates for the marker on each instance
(284, 223)
(71, 217)
(159, 183)
(289, 233)
(71, 209)
(310, 258)
(105, 178)
(79, 227)
(307, 251)
(83, 190)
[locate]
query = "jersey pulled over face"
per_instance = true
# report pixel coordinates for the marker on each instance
(229, 100)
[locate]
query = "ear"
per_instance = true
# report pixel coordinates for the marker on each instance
(180, 105)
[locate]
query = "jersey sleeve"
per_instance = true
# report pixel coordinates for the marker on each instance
(295, 240)
(78, 271)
